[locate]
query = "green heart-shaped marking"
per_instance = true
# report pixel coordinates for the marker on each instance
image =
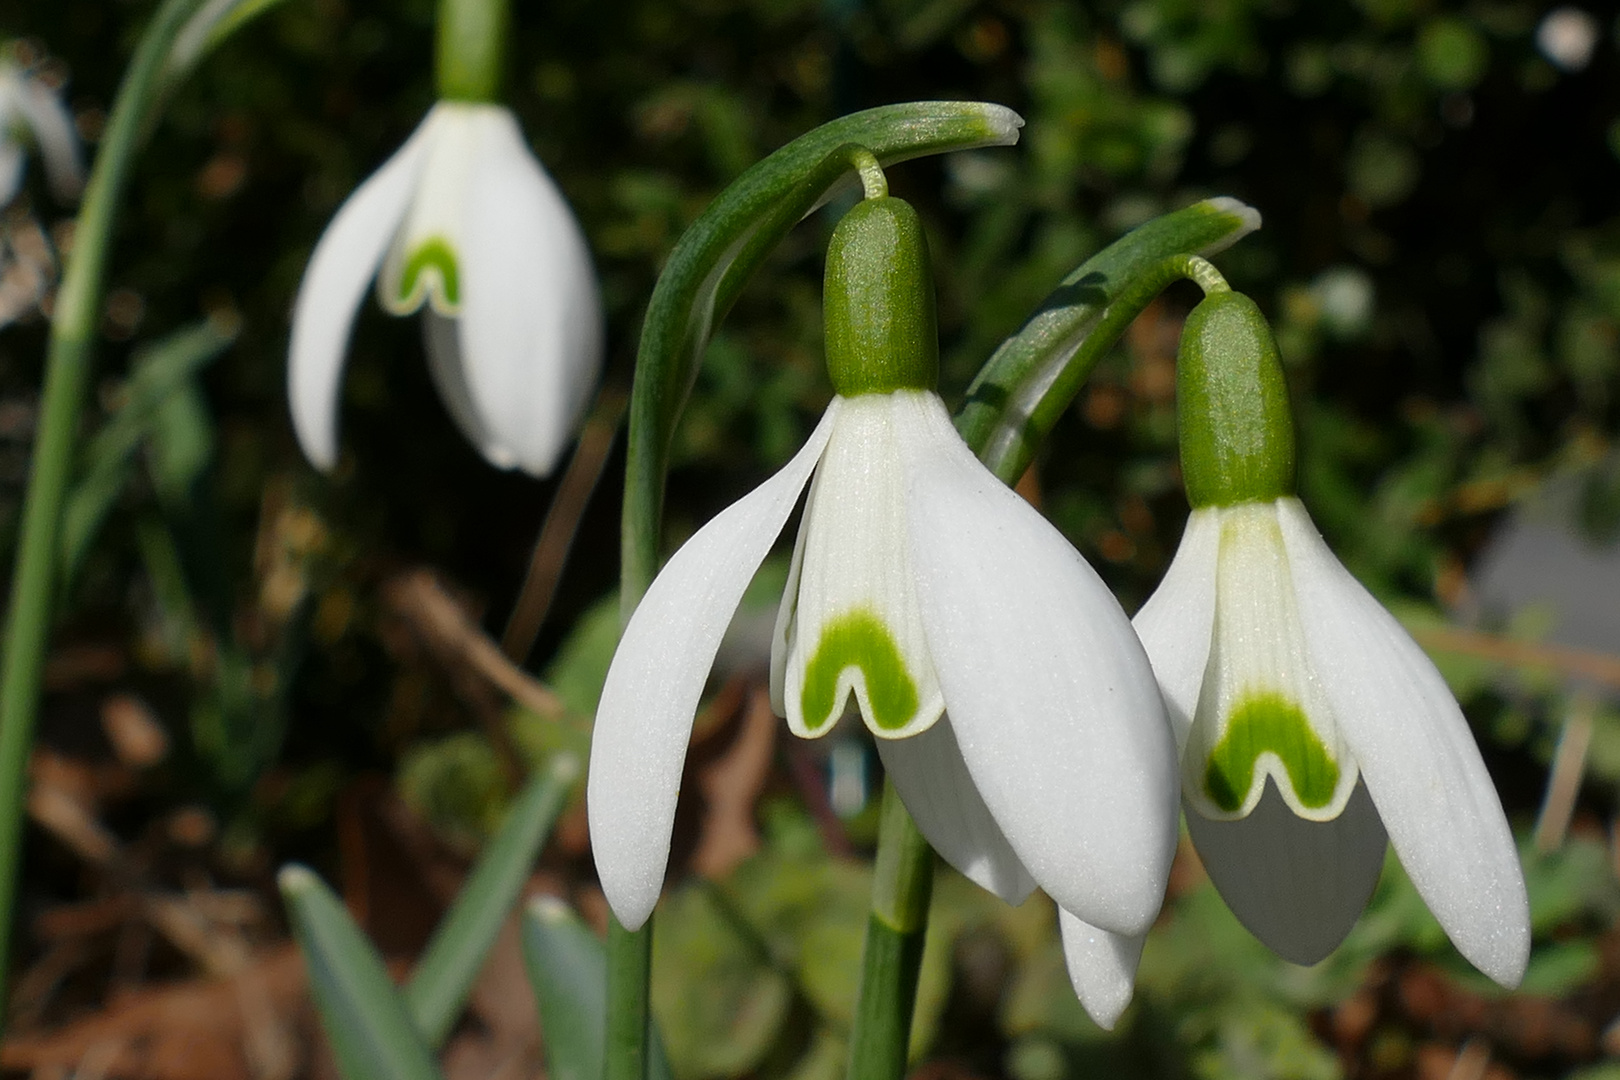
(435, 253)
(858, 639)
(1269, 722)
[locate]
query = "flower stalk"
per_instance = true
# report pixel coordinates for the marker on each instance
(468, 58)
(67, 372)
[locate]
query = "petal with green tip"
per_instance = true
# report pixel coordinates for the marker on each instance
(1260, 711)
(855, 630)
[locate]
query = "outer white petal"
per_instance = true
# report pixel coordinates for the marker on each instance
(1102, 967)
(1417, 756)
(531, 319)
(53, 130)
(343, 263)
(1177, 622)
(644, 719)
(933, 782)
(1297, 885)
(1051, 697)
(11, 165)
(441, 340)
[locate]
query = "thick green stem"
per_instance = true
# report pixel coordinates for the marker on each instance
(67, 362)
(902, 885)
(1021, 424)
(470, 48)
(629, 1018)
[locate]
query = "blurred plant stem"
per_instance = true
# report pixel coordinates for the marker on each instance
(629, 1018)
(67, 370)
(902, 885)
(471, 37)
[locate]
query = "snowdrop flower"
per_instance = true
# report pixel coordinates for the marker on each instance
(1013, 706)
(1309, 721)
(463, 224)
(29, 108)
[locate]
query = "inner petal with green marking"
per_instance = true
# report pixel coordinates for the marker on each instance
(857, 653)
(1260, 711)
(431, 270)
(1269, 724)
(850, 623)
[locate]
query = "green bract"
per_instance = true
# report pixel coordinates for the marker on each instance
(1237, 437)
(882, 334)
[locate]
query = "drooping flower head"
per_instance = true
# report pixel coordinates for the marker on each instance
(1309, 721)
(464, 225)
(1013, 707)
(31, 110)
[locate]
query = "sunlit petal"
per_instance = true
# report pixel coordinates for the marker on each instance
(1417, 756)
(531, 320)
(1297, 885)
(856, 626)
(1102, 967)
(1176, 622)
(52, 125)
(644, 719)
(1051, 697)
(933, 782)
(340, 268)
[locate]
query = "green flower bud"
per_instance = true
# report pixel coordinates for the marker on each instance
(878, 302)
(1237, 435)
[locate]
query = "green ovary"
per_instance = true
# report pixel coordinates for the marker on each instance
(858, 639)
(1271, 723)
(435, 254)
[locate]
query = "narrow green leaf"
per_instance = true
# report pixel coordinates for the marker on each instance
(158, 373)
(567, 967)
(1035, 374)
(716, 256)
(364, 1015)
(211, 25)
(444, 976)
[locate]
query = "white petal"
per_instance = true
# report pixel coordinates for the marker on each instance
(782, 636)
(1417, 756)
(856, 628)
(441, 340)
(644, 719)
(1102, 967)
(1051, 697)
(1176, 623)
(53, 130)
(1297, 885)
(531, 320)
(933, 782)
(1261, 712)
(11, 165)
(343, 263)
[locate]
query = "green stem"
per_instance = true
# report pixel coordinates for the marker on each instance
(629, 1018)
(67, 363)
(1008, 445)
(469, 51)
(902, 885)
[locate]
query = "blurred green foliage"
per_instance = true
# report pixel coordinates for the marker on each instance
(1440, 257)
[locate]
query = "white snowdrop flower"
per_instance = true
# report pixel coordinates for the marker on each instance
(464, 225)
(1310, 723)
(1012, 705)
(32, 111)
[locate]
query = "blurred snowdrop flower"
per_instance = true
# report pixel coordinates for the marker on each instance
(1568, 36)
(32, 110)
(1309, 722)
(1013, 707)
(463, 224)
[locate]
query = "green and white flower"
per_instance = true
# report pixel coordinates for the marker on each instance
(31, 109)
(1013, 707)
(1309, 722)
(463, 224)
